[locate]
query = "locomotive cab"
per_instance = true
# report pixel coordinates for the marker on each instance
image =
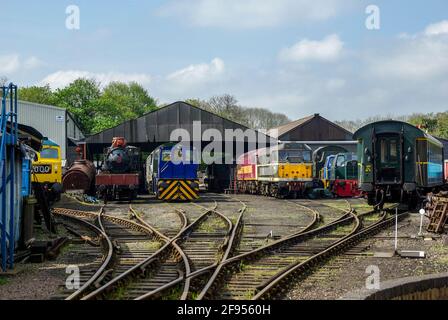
(172, 173)
(47, 169)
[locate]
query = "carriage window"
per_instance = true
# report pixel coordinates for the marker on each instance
(393, 150)
(383, 151)
(389, 151)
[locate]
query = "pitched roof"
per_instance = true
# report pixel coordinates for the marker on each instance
(157, 125)
(288, 127)
(282, 130)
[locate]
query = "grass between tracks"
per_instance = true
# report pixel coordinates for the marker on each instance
(173, 293)
(211, 225)
(3, 281)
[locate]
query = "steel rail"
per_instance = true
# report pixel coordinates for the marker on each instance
(231, 234)
(107, 246)
(175, 246)
(310, 226)
(323, 255)
(290, 240)
(144, 266)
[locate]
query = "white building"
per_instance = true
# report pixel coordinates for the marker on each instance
(54, 123)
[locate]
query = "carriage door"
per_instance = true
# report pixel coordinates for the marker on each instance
(388, 159)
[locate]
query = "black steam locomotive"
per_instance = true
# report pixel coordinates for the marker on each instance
(120, 173)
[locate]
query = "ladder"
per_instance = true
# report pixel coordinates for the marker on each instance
(438, 217)
(232, 189)
(9, 140)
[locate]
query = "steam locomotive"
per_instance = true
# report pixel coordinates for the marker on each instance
(120, 173)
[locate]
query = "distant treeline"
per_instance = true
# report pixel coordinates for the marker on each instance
(96, 108)
(435, 124)
(227, 106)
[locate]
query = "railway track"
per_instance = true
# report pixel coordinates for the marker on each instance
(202, 259)
(259, 273)
(206, 242)
(169, 221)
(129, 244)
(204, 239)
(271, 223)
(96, 247)
(279, 284)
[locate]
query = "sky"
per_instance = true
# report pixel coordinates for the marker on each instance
(297, 57)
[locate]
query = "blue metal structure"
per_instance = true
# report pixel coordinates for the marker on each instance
(9, 141)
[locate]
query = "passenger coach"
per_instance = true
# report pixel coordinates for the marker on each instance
(398, 162)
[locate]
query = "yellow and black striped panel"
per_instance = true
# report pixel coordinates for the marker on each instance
(185, 190)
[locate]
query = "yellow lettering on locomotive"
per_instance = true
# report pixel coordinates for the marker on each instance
(368, 169)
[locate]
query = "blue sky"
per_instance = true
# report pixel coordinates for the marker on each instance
(293, 56)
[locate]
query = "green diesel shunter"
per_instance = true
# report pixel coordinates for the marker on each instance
(398, 163)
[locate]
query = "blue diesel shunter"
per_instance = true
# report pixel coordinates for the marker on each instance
(172, 173)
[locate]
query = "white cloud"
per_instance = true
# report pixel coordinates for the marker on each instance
(326, 50)
(198, 73)
(9, 63)
(61, 79)
(32, 62)
(335, 84)
(437, 28)
(252, 13)
(12, 63)
(281, 102)
(418, 57)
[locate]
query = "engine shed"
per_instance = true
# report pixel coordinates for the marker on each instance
(202, 128)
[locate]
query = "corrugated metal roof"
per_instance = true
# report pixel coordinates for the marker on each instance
(282, 130)
(157, 126)
(277, 132)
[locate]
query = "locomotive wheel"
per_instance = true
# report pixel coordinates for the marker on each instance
(371, 199)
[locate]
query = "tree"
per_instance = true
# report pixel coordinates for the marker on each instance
(80, 98)
(259, 118)
(120, 102)
(37, 94)
(227, 106)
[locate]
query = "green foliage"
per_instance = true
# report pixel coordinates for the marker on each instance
(81, 99)
(120, 102)
(3, 281)
(435, 124)
(95, 109)
(36, 94)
